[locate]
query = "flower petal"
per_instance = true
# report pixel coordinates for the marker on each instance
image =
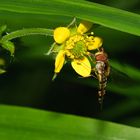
(82, 66)
(59, 61)
(95, 44)
(84, 26)
(61, 34)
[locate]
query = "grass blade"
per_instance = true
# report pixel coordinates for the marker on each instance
(104, 15)
(30, 124)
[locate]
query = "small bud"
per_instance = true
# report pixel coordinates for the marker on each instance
(61, 34)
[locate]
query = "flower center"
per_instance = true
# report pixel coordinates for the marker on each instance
(79, 50)
(76, 46)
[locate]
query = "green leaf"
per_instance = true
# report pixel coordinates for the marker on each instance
(2, 71)
(2, 29)
(2, 62)
(127, 79)
(97, 13)
(30, 124)
(8, 45)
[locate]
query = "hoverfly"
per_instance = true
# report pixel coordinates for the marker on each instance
(101, 72)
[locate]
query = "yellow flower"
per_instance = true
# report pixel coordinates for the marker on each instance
(75, 46)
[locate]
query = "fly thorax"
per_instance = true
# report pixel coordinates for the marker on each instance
(100, 66)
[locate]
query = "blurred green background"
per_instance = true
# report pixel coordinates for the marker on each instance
(28, 78)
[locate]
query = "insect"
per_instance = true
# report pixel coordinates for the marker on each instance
(101, 72)
(102, 69)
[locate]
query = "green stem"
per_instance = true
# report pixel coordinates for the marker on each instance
(50, 50)
(73, 22)
(26, 32)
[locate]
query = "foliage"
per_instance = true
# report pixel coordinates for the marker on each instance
(29, 73)
(30, 124)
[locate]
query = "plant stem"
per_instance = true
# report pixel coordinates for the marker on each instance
(50, 50)
(26, 32)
